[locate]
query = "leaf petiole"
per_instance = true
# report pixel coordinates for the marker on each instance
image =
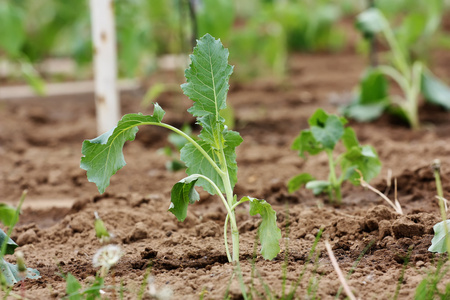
(191, 140)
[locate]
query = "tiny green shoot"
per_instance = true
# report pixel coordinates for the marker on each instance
(10, 273)
(210, 160)
(323, 135)
(411, 76)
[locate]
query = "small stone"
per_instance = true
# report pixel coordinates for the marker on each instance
(54, 177)
(404, 227)
(27, 237)
(309, 237)
(384, 229)
(420, 264)
(139, 232)
(82, 223)
(209, 228)
(168, 226)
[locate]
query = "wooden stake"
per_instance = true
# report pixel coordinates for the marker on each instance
(105, 64)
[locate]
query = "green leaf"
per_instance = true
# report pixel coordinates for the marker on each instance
(373, 86)
(318, 186)
(268, 231)
(93, 292)
(73, 287)
(370, 22)
(10, 246)
(7, 214)
(207, 85)
(364, 159)
(12, 31)
(349, 138)
(297, 181)
(306, 142)
(372, 97)
(100, 229)
(435, 91)
(329, 133)
(103, 157)
(12, 274)
(438, 243)
(366, 112)
(411, 29)
(207, 77)
(196, 163)
(318, 118)
(182, 194)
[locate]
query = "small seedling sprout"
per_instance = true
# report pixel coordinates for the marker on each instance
(323, 135)
(411, 76)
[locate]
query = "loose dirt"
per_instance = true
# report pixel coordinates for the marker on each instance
(40, 149)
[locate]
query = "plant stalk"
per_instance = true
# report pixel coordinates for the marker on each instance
(336, 193)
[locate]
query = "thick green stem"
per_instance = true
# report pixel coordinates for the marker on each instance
(230, 199)
(336, 186)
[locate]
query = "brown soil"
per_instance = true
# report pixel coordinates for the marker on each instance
(40, 142)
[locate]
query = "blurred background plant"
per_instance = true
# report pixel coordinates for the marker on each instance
(261, 32)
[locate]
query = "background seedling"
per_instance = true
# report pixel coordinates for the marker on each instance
(210, 160)
(411, 75)
(324, 133)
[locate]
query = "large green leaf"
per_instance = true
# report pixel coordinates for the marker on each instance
(435, 91)
(197, 164)
(12, 274)
(207, 85)
(103, 157)
(207, 77)
(439, 243)
(268, 231)
(182, 194)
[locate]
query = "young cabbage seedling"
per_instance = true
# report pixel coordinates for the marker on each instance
(324, 133)
(210, 160)
(410, 75)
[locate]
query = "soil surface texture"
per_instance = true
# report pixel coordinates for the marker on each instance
(40, 150)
